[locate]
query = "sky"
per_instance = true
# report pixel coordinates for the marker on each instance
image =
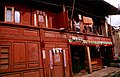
(113, 2)
(114, 20)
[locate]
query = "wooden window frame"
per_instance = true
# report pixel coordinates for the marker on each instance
(38, 22)
(12, 13)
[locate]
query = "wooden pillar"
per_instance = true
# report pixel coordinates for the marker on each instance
(88, 59)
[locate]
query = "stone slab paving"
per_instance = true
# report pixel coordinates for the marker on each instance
(106, 72)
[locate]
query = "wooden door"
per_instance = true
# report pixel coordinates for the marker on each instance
(58, 63)
(53, 61)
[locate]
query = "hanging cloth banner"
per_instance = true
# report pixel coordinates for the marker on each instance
(51, 59)
(64, 55)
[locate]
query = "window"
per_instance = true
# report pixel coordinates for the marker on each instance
(9, 14)
(12, 15)
(17, 16)
(40, 18)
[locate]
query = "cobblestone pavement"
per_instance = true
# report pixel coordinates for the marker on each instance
(106, 72)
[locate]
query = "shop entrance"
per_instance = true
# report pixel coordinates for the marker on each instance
(106, 54)
(78, 59)
(100, 56)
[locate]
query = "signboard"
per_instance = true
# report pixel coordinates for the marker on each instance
(87, 20)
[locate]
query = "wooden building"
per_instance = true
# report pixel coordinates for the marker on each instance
(39, 39)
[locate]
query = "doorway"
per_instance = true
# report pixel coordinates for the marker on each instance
(107, 55)
(78, 59)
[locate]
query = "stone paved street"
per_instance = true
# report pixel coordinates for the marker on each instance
(106, 72)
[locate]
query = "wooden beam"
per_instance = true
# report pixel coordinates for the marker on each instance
(88, 59)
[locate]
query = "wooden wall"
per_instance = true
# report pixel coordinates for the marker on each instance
(20, 52)
(26, 51)
(52, 40)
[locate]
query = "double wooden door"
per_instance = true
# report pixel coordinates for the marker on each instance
(54, 61)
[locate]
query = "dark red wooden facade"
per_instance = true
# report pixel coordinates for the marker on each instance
(36, 50)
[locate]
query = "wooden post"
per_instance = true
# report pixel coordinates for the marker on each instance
(88, 59)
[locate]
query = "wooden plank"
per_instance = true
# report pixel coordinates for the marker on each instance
(32, 74)
(19, 66)
(33, 52)
(25, 17)
(9, 31)
(31, 33)
(14, 75)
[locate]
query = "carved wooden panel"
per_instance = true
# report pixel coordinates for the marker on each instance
(34, 64)
(62, 45)
(32, 74)
(4, 43)
(31, 33)
(10, 31)
(19, 52)
(49, 45)
(15, 75)
(25, 19)
(55, 36)
(58, 73)
(58, 35)
(33, 52)
(50, 34)
(19, 66)
(42, 73)
(61, 37)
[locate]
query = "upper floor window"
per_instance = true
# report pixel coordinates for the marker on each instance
(17, 17)
(12, 15)
(9, 14)
(40, 18)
